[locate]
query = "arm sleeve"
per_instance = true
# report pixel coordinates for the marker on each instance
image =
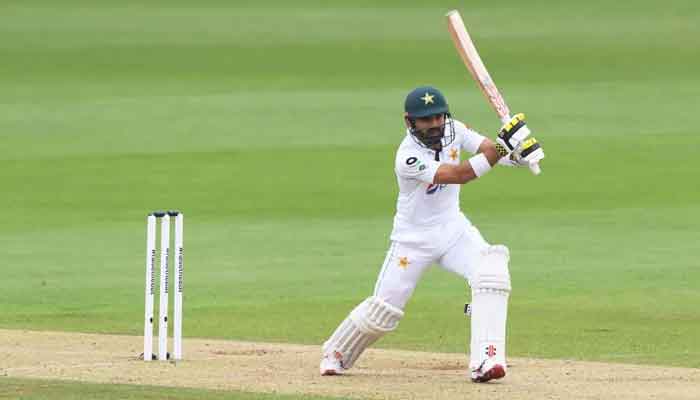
(411, 165)
(471, 139)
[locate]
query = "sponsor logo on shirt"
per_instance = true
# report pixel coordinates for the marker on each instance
(434, 188)
(414, 162)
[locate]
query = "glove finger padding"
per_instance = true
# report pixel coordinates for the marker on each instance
(530, 152)
(513, 133)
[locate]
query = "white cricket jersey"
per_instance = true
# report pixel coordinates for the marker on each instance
(423, 205)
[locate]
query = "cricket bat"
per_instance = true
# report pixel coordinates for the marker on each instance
(470, 57)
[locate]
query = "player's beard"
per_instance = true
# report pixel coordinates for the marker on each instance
(430, 137)
(434, 137)
(437, 137)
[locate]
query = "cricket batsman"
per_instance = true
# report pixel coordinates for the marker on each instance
(429, 228)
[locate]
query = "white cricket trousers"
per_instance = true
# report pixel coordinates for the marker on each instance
(457, 251)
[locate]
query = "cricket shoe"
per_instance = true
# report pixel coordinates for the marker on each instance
(331, 366)
(488, 370)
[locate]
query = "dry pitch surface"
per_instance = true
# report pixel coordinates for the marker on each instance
(285, 368)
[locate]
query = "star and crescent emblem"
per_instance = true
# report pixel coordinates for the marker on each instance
(428, 98)
(454, 154)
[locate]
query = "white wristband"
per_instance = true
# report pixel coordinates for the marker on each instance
(480, 164)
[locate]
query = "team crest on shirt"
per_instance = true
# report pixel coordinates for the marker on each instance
(403, 262)
(454, 154)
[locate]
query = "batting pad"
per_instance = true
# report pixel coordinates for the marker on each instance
(489, 307)
(369, 321)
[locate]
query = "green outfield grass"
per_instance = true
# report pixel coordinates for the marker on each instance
(35, 389)
(273, 127)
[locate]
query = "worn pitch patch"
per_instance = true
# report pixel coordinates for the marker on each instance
(289, 368)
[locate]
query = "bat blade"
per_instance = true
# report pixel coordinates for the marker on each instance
(467, 51)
